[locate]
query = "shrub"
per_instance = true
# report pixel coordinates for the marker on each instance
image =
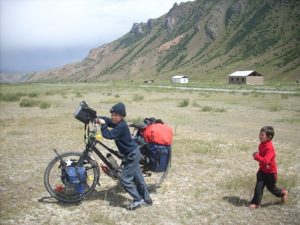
(45, 105)
(212, 109)
(51, 92)
(63, 95)
(33, 94)
(184, 103)
(78, 94)
(27, 103)
(137, 97)
(196, 104)
(275, 108)
(117, 96)
(207, 109)
(255, 94)
(11, 97)
(220, 110)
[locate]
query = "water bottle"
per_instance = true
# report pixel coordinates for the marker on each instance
(112, 161)
(98, 134)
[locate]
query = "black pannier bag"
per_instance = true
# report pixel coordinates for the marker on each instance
(158, 157)
(84, 113)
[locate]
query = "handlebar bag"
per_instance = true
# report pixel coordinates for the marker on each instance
(84, 113)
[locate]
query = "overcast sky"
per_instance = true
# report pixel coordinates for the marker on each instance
(40, 34)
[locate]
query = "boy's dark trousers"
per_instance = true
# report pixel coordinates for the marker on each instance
(262, 180)
(132, 178)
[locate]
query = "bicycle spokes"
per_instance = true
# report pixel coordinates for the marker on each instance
(60, 187)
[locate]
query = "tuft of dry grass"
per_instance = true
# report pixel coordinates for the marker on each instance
(184, 103)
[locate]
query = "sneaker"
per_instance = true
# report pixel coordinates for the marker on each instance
(149, 201)
(136, 204)
(253, 206)
(284, 197)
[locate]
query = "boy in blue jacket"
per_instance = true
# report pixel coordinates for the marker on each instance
(131, 177)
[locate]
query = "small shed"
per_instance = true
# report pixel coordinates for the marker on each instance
(246, 77)
(182, 79)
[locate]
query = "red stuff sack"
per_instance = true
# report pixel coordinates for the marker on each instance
(158, 133)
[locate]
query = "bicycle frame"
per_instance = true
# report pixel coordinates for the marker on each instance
(91, 147)
(101, 156)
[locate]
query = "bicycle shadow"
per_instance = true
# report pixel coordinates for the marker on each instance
(113, 195)
(52, 200)
(116, 196)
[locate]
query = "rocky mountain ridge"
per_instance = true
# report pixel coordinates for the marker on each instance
(205, 40)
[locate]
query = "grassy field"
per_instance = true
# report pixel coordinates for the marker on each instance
(212, 175)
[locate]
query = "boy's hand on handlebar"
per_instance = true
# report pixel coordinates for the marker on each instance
(100, 121)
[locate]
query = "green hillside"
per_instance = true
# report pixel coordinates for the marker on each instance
(206, 40)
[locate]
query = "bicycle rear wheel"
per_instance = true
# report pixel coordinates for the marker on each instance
(62, 191)
(155, 179)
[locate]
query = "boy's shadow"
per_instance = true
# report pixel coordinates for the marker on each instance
(236, 201)
(113, 195)
(240, 202)
(116, 196)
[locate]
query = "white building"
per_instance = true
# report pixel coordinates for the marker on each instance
(180, 79)
(246, 77)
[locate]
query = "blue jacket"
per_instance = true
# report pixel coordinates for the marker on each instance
(120, 133)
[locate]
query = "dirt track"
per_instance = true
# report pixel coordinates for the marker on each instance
(224, 90)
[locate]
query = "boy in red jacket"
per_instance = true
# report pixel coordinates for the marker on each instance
(267, 173)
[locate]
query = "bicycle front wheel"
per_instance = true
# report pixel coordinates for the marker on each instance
(59, 189)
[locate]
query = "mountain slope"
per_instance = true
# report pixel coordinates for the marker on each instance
(12, 77)
(203, 39)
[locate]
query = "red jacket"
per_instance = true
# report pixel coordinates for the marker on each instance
(266, 157)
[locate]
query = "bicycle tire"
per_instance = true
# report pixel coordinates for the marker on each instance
(155, 180)
(52, 176)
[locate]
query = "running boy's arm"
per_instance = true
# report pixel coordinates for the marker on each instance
(270, 154)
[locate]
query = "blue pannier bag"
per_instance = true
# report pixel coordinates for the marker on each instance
(77, 177)
(159, 157)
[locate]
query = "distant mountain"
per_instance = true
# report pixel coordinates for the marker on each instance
(6, 77)
(204, 39)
